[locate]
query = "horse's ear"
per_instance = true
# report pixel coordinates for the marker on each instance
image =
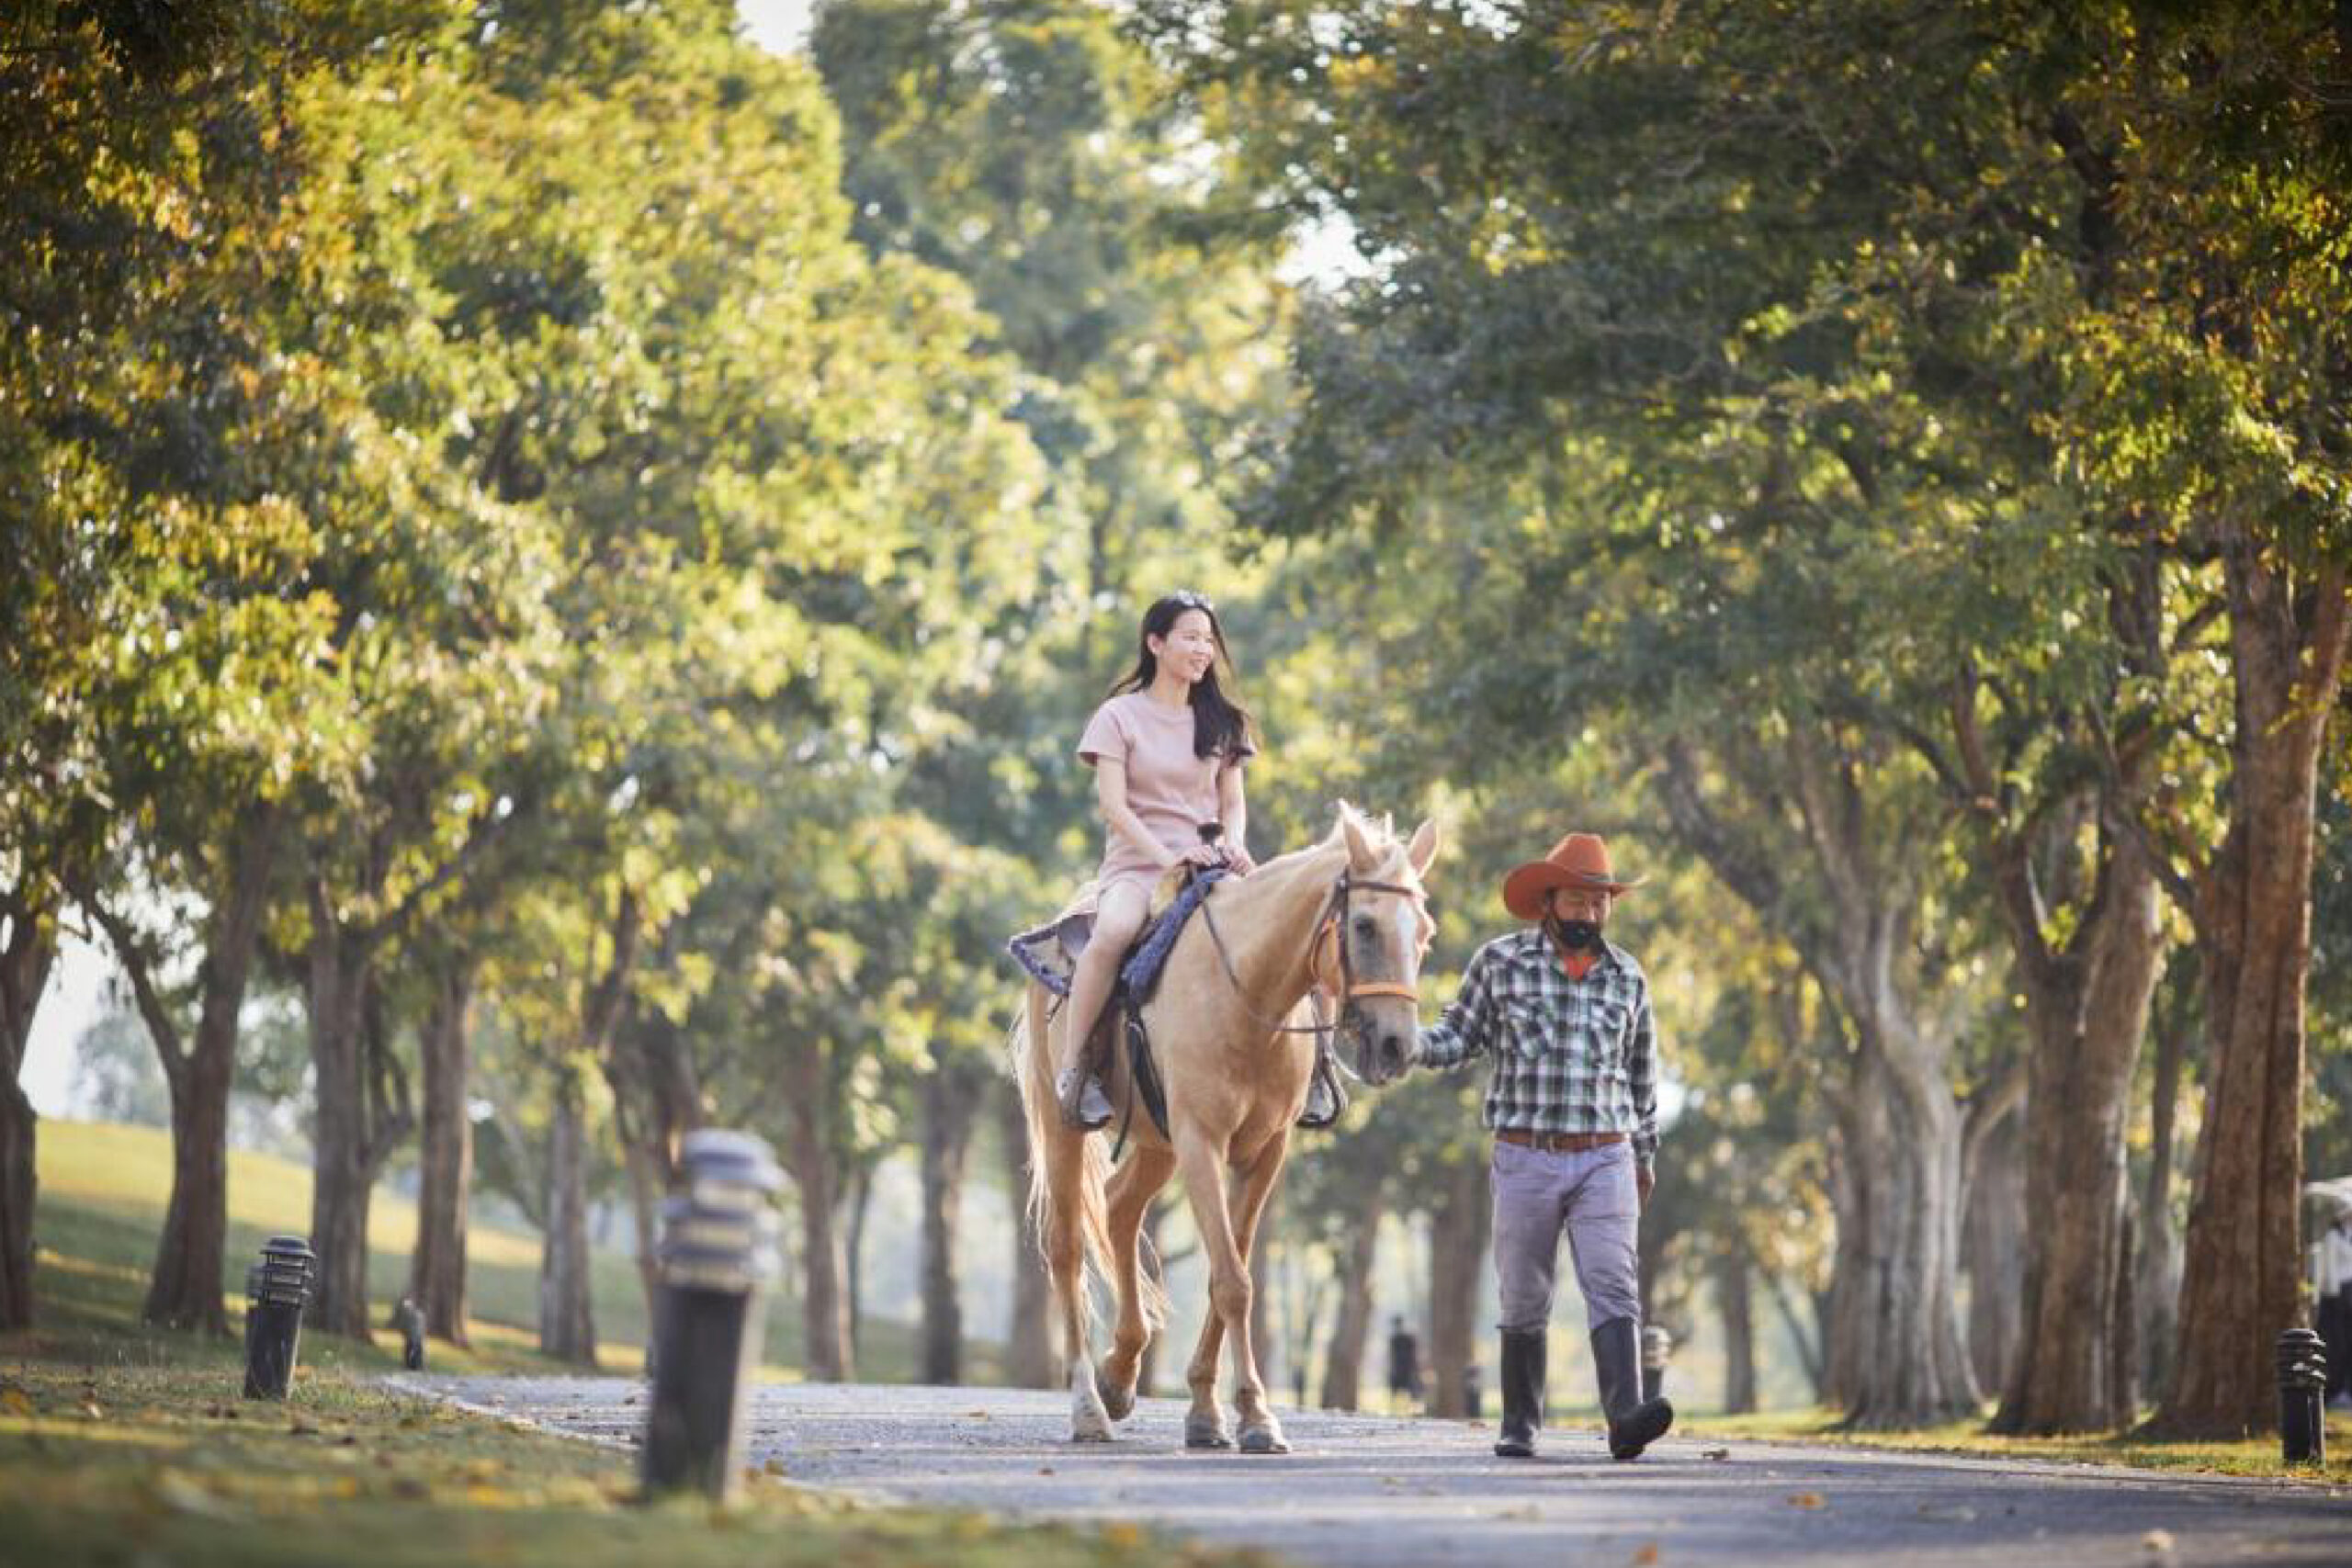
(1360, 853)
(1423, 849)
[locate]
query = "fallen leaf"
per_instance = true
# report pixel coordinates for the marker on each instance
(1123, 1535)
(15, 1401)
(1807, 1500)
(2157, 1541)
(1715, 1453)
(1045, 1469)
(977, 1414)
(184, 1495)
(1646, 1555)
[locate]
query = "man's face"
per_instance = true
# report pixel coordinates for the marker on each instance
(1579, 904)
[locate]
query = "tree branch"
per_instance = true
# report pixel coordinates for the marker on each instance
(170, 1047)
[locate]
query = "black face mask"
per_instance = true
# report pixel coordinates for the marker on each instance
(1577, 936)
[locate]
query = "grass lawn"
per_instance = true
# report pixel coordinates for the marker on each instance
(102, 1188)
(123, 1445)
(153, 1464)
(2253, 1456)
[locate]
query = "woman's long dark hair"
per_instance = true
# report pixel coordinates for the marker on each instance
(1221, 725)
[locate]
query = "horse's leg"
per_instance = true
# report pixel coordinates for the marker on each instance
(1060, 1159)
(1203, 1168)
(1260, 1433)
(1133, 1187)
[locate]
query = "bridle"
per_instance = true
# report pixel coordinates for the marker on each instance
(1333, 929)
(1330, 927)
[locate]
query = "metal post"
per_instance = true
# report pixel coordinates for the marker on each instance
(1657, 1348)
(409, 1318)
(276, 1289)
(719, 1250)
(2302, 1392)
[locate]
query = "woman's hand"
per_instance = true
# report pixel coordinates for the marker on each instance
(1201, 855)
(1237, 861)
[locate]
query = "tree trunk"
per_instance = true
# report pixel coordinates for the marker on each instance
(951, 1106)
(567, 1315)
(436, 1279)
(827, 1350)
(184, 1292)
(1343, 1358)
(860, 1205)
(2240, 1284)
(2086, 1008)
(1895, 1355)
(2158, 1287)
(657, 1100)
(1029, 1355)
(1736, 1299)
(1459, 1225)
(1896, 1343)
(29, 951)
(342, 1183)
(1805, 1332)
(1996, 1244)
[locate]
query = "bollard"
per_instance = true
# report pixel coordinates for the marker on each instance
(276, 1289)
(719, 1250)
(410, 1320)
(1657, 1348)
(2302, 1392)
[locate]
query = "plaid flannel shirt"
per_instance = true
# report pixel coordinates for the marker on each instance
(1570, 1055)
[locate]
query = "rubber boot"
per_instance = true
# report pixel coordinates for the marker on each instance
(1634, 1422)
(1522, 1384)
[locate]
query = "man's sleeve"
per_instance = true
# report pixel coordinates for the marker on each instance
(1641, 1079)
(1467, 1027)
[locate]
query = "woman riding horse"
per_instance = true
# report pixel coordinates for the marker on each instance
(1235, 1046)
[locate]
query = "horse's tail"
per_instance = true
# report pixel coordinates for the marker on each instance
(1068, 1173)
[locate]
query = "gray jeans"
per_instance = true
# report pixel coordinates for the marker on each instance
(1591, 1196)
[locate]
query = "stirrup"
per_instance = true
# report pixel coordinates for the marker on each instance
(1327, 1102)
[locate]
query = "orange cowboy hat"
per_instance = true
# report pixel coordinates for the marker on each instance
(1580, 860)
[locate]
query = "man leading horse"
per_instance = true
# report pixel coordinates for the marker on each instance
(1565, 1015)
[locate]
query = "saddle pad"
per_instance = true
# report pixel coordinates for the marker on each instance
(1050, 953)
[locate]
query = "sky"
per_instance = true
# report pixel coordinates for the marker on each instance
(780, 25)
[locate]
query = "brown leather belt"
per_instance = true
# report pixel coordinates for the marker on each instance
(1558, 1143)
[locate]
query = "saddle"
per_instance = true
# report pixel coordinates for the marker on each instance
(1050, 953)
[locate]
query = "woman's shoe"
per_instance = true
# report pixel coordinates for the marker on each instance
(1084, 1106)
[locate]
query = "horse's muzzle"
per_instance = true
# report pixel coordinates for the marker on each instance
(1384, 1054)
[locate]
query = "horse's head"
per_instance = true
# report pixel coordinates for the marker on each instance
(1368, 955)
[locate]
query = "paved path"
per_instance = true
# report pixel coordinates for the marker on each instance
(1364, 1492)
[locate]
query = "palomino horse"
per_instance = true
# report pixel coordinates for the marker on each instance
(1346, 917)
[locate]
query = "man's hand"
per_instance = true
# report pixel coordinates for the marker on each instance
(1644, 1180)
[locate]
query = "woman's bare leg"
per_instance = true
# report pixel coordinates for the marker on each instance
(1116, 921)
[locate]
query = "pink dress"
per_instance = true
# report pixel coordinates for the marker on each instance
(1170, 789)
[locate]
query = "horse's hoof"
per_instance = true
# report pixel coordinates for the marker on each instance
(1263, 1440)
(1117, 1402)
(1205, 1432)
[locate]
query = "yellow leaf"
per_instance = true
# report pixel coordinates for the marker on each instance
(1807, 1500)
(15, 1401)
